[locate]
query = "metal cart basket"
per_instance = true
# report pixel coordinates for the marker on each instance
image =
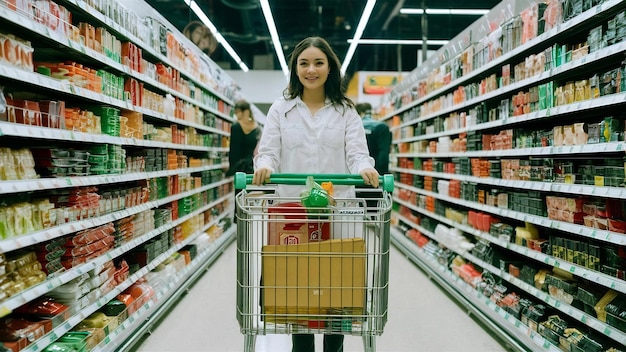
(319, 270)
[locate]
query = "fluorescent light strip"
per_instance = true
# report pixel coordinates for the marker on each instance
(203, 17)
(357, 34)
(269, 19)
(470, 12)
(401, 41)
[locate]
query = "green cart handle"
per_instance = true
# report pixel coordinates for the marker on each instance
(386, 181)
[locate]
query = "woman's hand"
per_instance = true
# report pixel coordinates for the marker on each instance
(260, 176)
(370, 176)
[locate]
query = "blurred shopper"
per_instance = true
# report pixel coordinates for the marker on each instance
(378, 138)
(244, 138)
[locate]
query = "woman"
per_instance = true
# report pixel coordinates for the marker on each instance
(244, 136)
(314, 128)
(201, 35)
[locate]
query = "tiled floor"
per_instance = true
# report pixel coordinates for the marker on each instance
(421, 317)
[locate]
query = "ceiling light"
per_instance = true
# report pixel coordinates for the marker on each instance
(218, 36)
(269, 19)
(401, 41)
(470, 12)
(357, 34)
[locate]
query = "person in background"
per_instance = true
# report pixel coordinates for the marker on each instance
(201, 35)
(378, 138)
(314, 129)
(379, 144)
(244, 137)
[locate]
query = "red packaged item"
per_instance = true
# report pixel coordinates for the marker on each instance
(121, 274)
(42, 307)
(14, 329)
(70, 262)
(289, 225)
(129, 301)
(90, 248)
(90, 235)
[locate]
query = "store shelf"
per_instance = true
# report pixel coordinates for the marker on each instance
(65, 229)
(609, 147)
(581, 230)
(585, 190)
(137, 324)
(19, 130)
(56, 280)
(588, 274)
(572, 312)
(40, 184)
(506, 326)
(559, 31)
(100, 17)
(509, 90)
(46, 40)
(93, 307)
(602, 61)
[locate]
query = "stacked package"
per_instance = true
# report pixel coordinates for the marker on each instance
(88, 244)
(19, 271)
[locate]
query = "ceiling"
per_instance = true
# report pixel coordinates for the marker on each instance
(242, 23)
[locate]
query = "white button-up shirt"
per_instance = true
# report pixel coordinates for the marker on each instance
(331, 141)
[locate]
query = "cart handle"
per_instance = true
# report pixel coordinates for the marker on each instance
(386, 181)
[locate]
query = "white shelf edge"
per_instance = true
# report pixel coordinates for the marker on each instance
(600, 191)
(21, 130)
(39, 184)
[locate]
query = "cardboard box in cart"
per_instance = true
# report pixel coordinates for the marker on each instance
(313, 278)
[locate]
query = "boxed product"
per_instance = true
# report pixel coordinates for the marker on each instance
(313, 278)
(289, 223)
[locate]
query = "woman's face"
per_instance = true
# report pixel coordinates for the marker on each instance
(242, 115)
(197, 35)
(313, 68)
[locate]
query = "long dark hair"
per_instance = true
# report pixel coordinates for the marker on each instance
(333, 87)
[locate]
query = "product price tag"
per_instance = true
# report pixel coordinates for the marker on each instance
(4, 311)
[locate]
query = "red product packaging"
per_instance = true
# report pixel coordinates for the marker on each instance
(295, 227)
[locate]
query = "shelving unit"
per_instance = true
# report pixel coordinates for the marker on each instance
(427, 118)
(203, 87)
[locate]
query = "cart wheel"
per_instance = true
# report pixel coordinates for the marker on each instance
(369, 343)
(249, 341)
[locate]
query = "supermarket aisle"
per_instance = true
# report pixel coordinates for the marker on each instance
(421, 317)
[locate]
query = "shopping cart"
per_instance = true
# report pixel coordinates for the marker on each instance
(321, 270)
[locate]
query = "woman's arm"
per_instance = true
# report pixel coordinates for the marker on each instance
(267, 158)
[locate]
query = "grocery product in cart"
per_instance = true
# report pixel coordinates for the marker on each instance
(314, 264)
